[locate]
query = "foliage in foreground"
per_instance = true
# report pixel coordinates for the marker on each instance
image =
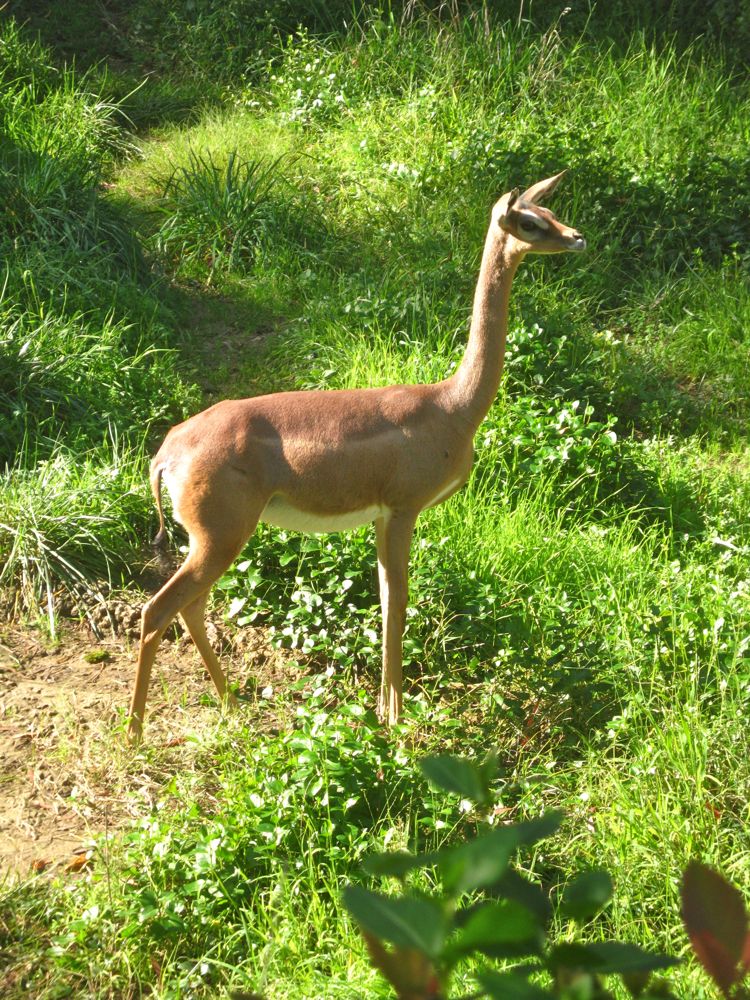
(485, 907)
(196, 900)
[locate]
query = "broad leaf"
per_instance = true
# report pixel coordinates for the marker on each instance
(529, 831)
(572, 956)
(714, 914)
(495, 926)
(624, 958)
(405, 921)
(608, 957)
(396, 863)
(520, 890)
(477, 864)
(510, 986)
(410, 972)
(483, 862)
(586, 894)
(458, 775)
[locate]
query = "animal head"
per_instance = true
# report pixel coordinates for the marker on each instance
(536, 228)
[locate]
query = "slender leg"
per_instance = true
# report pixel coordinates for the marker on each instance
(393, 537)
(204, 565)
(194, 617)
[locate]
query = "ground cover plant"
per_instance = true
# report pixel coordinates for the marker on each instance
(581, 607)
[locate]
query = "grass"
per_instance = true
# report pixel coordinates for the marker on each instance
(581, 605)
(213, 215)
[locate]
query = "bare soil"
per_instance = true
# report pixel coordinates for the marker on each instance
(66, 772)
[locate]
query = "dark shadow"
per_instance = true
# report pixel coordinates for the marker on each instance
(95, 40)
(152, 36)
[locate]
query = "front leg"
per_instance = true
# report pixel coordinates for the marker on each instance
(393, 534)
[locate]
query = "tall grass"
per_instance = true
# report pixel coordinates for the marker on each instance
(213, 213)
(84, 353)
(71, 520)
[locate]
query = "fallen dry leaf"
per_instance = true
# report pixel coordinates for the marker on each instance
(78, 862)
(39, 864)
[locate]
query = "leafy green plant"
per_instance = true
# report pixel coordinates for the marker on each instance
(484, 906)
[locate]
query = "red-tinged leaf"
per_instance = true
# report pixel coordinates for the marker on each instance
(713, 911)
(716, 960)
(408, 971)
(176, 741)
(712, 809)
(40, 864)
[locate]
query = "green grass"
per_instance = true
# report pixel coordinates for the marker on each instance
(581, 605)
(87, 365)
(213, 215)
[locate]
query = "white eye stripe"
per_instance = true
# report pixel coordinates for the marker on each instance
(534, 220)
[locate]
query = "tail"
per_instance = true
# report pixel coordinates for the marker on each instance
(156, 474)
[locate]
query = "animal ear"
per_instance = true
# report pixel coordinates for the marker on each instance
(539, 191)
(505, 204)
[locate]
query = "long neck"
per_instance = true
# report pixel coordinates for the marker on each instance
(475, 383)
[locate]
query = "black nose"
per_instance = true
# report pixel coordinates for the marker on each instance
(577, 235)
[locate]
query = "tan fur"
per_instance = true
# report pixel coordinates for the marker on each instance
(331, 457)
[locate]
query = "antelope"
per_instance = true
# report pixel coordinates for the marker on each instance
(332, 460)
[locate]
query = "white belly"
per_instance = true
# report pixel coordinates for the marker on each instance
(281, 513)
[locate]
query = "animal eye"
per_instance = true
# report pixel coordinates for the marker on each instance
(528, 226)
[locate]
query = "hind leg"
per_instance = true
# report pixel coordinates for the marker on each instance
(194, 617)
(207, 559)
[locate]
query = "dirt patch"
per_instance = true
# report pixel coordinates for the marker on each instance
(67, 773)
